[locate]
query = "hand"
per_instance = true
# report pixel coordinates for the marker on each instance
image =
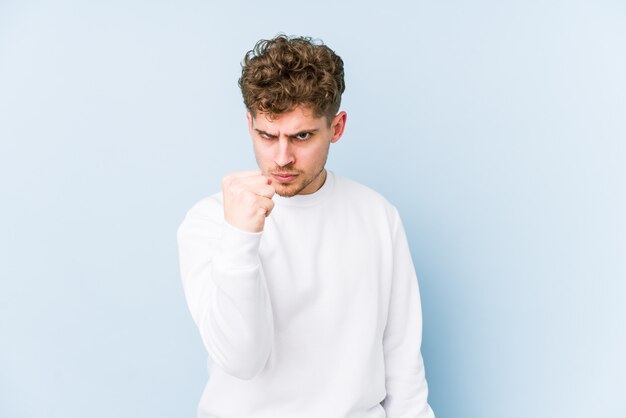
(247, 200)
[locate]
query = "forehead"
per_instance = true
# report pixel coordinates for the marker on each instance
(296, 120)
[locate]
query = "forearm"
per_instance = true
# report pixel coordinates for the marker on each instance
(228, 298)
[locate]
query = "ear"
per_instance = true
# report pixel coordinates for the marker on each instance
(337, 126)
(250, 122)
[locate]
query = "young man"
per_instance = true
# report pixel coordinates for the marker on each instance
(301, 281)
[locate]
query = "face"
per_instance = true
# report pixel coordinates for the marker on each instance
(292, 148)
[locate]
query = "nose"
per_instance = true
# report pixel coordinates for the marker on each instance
(284, 153)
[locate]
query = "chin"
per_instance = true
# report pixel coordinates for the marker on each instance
(288, 190)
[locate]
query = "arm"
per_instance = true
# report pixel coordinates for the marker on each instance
(407, 391)
(226, 290)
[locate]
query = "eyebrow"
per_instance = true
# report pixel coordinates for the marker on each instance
(304, 131)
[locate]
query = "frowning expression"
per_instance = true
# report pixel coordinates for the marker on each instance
(292, 148)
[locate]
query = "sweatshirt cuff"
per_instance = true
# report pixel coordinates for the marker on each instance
(239, 249)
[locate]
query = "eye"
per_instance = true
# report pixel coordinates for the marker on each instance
(303, 136)
(267, 136)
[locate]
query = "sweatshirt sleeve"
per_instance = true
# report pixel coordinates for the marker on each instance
(226, 291)
(405, 381)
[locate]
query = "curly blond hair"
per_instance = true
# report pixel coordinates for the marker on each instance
(284, 72)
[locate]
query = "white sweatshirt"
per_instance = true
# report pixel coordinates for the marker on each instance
(317, 316)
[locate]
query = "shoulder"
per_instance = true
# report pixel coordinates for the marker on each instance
(206, 216)
(208, 207)
(364, 197)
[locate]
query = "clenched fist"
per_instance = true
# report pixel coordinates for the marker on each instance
(247, 200)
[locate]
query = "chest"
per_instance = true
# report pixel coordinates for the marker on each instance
(324, 267)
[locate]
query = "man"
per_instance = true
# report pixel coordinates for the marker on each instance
(301, 281)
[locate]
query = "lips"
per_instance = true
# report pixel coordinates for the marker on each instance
(284, 177)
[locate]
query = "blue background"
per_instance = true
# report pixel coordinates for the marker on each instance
(497, 128)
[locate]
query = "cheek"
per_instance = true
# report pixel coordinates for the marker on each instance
(315, 156)
(261, 153)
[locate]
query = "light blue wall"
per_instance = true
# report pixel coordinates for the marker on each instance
(498, 128)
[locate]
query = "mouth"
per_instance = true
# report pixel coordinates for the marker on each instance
(285, 177)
